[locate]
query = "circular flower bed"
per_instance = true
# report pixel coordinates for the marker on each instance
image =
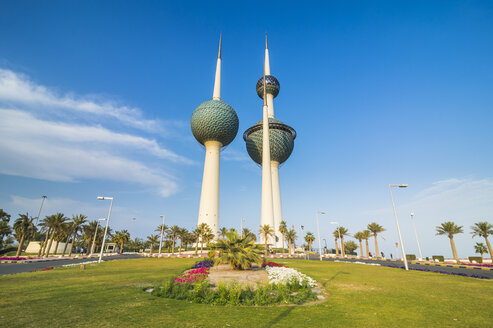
(285, 286)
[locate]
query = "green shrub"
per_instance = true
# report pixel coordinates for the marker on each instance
(440, 258)
(410, 257)
(478, 259)
(233, 294)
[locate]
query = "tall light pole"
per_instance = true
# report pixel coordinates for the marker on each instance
(318, 232)
(106, 229)
(416, 234)
(95, 234)
(162, 232)
(39, 213)
(397, 222)
(338, 231)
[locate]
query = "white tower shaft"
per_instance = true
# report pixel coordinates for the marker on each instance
(276, 200)
(209, 197)
(270, 97)
(267, 212)
(276, 190)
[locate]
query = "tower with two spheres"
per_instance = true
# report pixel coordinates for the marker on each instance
(215, 124)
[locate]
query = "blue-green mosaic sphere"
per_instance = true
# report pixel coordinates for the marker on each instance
(214, 120)
(272, 86)
(281, 141)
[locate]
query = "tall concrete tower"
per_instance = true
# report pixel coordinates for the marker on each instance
(214, 124)
(280, 141)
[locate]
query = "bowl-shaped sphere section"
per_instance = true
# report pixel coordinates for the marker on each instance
(272, 86)
(214, 120)
(281, 137)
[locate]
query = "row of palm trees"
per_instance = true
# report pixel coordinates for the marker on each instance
(56, 228)
(480, 229)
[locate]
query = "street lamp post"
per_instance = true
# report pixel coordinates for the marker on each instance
(416, 234)
(39, 213)
(162, 232)
(106, 229)
(95, 234)
(241, 226)
(397, 222)
(339, 232)
(318, 232)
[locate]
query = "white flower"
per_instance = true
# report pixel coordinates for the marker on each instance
(283, 276)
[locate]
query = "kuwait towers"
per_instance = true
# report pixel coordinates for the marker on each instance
(280, 142)
(214, 124)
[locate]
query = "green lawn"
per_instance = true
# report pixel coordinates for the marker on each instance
(110, 295)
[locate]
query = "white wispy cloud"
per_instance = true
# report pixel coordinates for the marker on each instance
(62, 152)
(52, 136)
(19, 89)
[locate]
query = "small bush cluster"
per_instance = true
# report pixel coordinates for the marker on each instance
(272, 264)
(203, 264)
(440, 258)
(233, 294)
(478, 259)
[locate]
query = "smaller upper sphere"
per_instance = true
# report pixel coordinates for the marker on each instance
(214, 120)
(272, 86)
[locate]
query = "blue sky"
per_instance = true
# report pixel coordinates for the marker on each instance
(96, 99)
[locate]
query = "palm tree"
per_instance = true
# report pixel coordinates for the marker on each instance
(23, 226)
(366, 236)
(77, 222)
(62, 234)
(309, 238)
(89, 233)
(58, 220)
(283, 229)
(341, 232)
(5, 229)
(359, 237)
(223, 232)
(291, 238)
(205, 235)
(173, 235)
(152, 240)
(350, 246)
(46, 225)
(182, 234)
(123, 237)
(483, 229)
(481, 249)
(196, 234)
(239, 252)
(336, 237)
(162, 229)
(375, 229)
(449, 229)
(265, 232)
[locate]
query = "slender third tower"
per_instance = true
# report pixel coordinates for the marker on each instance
(280, 141)
(214, 124)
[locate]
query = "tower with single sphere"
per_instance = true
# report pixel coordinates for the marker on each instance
(281, 144)
(214, 124)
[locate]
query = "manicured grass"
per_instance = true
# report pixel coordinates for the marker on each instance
(110, 295)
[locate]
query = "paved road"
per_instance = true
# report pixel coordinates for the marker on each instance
(10, 268)
(398, 264)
